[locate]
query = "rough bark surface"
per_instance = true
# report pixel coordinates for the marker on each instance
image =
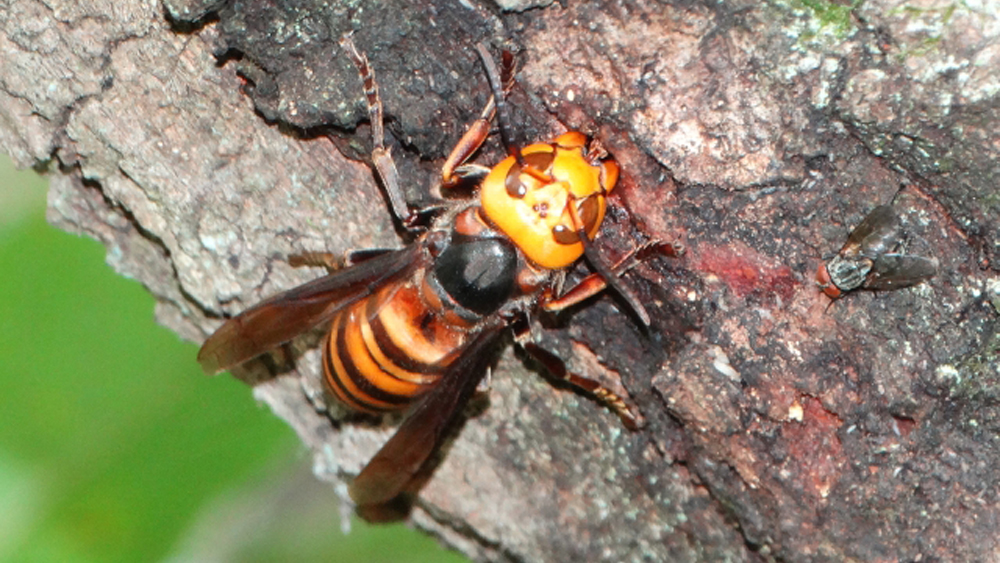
(193, 138)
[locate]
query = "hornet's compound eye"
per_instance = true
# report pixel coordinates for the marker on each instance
(589, 209)
(541, 162)
(565, 235)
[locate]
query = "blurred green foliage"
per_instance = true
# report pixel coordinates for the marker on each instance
(115, 447)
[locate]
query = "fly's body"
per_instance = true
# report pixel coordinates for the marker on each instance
(867, 259)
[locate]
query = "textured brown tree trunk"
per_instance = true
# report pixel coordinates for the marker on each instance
(197, 147)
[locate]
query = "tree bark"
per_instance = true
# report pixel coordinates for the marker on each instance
(204, 141)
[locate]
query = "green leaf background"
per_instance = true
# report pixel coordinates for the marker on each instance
(115, 447)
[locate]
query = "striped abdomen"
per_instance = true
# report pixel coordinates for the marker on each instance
(385, 351)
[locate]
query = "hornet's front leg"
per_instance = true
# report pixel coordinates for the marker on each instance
(455, 172)
(598, 282)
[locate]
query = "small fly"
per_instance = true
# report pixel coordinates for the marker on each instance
(868, 260)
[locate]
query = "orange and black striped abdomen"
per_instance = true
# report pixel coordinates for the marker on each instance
(385, 351)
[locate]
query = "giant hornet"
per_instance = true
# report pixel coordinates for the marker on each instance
(867, 260)
(413, 327)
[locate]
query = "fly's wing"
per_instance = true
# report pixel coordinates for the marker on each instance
(284, 316)
(399, 460)
(895, 271)
(875, 235)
